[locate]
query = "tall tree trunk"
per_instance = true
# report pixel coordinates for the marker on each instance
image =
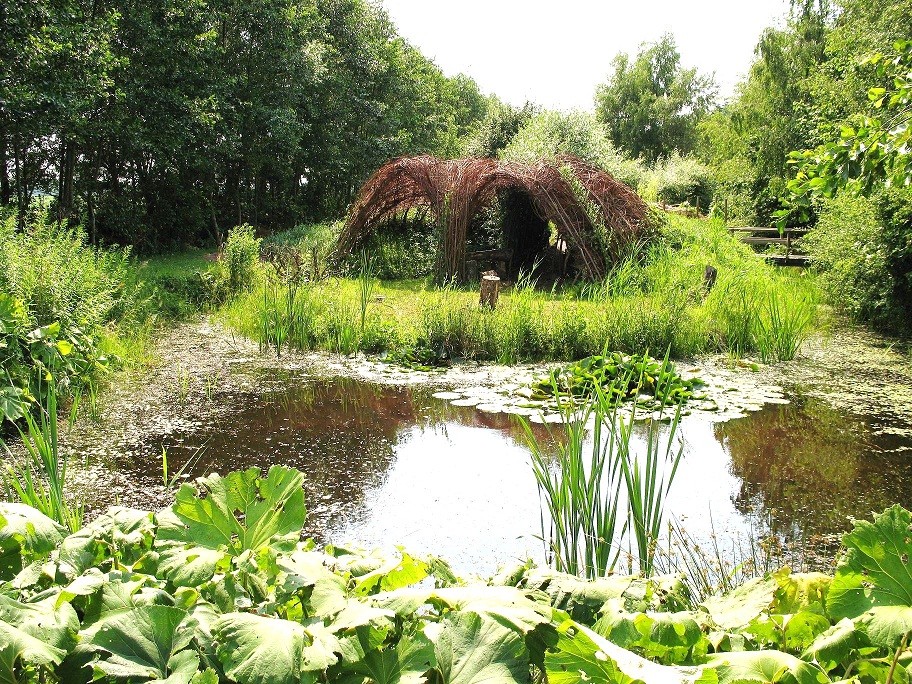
(65, 185)
(6, 191)
(93, 228)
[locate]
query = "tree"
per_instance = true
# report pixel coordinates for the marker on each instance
(652, 105)
(872, 151)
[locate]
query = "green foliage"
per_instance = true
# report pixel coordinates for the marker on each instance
(651, 106)
(58, 298)
(240, 256)
(870, 152)
(550, 133)
(679, 180)
(103, 605)
(621, 377)
(653, 299)
(862, 251)
(59, 277)
(583, 498)
(39, 481)
(268, 114)
(495, 132)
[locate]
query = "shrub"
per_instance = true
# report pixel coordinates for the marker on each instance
(59, 276)
(847, 249)
(551, 133)
(862, 249)
(679, 179)
(240, 257)
(56, 294)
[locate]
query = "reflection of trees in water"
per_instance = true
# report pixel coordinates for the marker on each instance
(806, 468)
(341, 432)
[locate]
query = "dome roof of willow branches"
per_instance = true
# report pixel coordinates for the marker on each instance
(596, 215)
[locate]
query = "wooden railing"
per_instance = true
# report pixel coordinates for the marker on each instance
(753, 235)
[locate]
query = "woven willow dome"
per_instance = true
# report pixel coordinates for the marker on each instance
(595, 215)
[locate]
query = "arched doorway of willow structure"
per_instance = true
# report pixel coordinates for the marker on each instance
(593, 215)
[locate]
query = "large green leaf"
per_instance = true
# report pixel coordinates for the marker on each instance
(406, 662)
(259, 650)
(146, 642)
(581, 599)
(835, 645)
(304, 574)
(240, 511)
(583, 655)
(473, 648)
(506, 605)
(379, 571)
(25, 535)
(189, 565)
(875, 570)
(120, 595)
(737, 609)
(886, 625)
(121, 534)
(34, 634)
(670, 637)
(768, 667)
(800, 591)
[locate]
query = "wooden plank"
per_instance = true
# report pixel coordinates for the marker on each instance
(765, 241)
(789, 260)
(754, 229)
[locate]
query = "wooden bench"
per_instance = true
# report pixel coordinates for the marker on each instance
(500, 259)
(772, 236)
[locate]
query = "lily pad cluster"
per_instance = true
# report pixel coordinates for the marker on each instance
(623, 377)
(221, 588)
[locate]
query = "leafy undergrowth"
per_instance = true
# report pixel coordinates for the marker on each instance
(651, 382)
(219, 588)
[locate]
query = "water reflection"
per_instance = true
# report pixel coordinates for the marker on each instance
(806, 468)
(388, 466)
(384, 465)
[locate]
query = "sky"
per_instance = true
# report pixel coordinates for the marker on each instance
(555, 53)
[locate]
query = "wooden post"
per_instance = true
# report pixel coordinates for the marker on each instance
(726, 211)
(490, 289)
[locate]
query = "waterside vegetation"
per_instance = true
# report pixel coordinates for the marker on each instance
(655, 298)
(220, 588)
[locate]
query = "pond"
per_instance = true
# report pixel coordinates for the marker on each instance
(391, 466)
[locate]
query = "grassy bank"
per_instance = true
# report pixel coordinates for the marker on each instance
(70, 312)
(653, 300)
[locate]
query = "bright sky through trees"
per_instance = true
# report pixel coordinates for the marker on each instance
(555, 53)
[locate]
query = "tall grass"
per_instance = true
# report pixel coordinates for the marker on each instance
(39, 481)
(655, 300)
(620, 489)
(582, 496)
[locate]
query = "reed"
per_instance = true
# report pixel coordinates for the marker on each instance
(593, 501)
(585, 519)
(39, 481)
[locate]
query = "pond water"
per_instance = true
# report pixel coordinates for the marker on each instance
(392, 466)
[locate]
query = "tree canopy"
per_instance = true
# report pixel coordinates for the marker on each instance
(166, 121)
(651, 105)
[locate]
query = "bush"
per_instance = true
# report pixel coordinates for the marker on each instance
(56, 294)
(550, 133)
(59, 276)
(847, 249)
(679, 179)
(240, 257)
(862, 249)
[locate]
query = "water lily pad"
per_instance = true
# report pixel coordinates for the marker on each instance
(447, 396)
(468, 401)
(490, 408)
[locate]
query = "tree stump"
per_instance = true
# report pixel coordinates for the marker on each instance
(490, 289)
(709, 278)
